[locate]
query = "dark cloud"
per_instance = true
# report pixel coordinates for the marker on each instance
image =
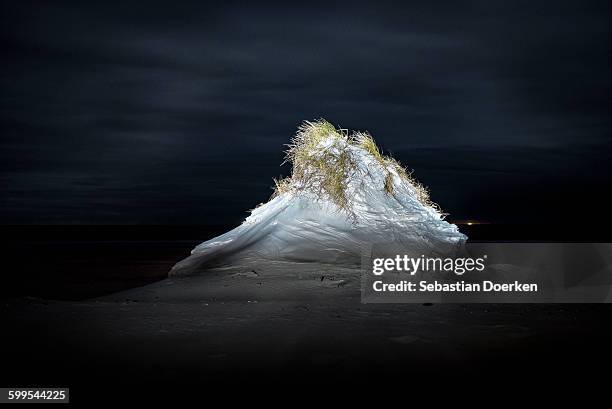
(177, 113)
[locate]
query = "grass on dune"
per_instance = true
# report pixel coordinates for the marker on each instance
(322, 160)
(366, 141)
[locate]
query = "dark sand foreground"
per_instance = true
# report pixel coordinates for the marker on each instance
(283, 325)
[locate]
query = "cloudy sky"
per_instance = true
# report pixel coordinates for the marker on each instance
(178, 113)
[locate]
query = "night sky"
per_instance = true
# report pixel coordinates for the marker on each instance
(176, 113)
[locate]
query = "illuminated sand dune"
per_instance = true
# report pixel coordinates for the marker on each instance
(343, 196)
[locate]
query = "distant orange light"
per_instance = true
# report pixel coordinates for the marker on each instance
(470, 223)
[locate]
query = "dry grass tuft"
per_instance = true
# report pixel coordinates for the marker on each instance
(365, 140)
(281, 185)
(388, 186)
(421, 191)
(322, 161)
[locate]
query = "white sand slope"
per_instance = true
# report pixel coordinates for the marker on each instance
(342, 198)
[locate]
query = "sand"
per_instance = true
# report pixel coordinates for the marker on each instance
(286, 322)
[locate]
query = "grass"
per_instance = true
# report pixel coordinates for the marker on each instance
(367, 143)
(388, 186)
(281, 185)
(322, 160)
(421, 191)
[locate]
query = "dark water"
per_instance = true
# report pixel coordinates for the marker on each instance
(79, 262)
